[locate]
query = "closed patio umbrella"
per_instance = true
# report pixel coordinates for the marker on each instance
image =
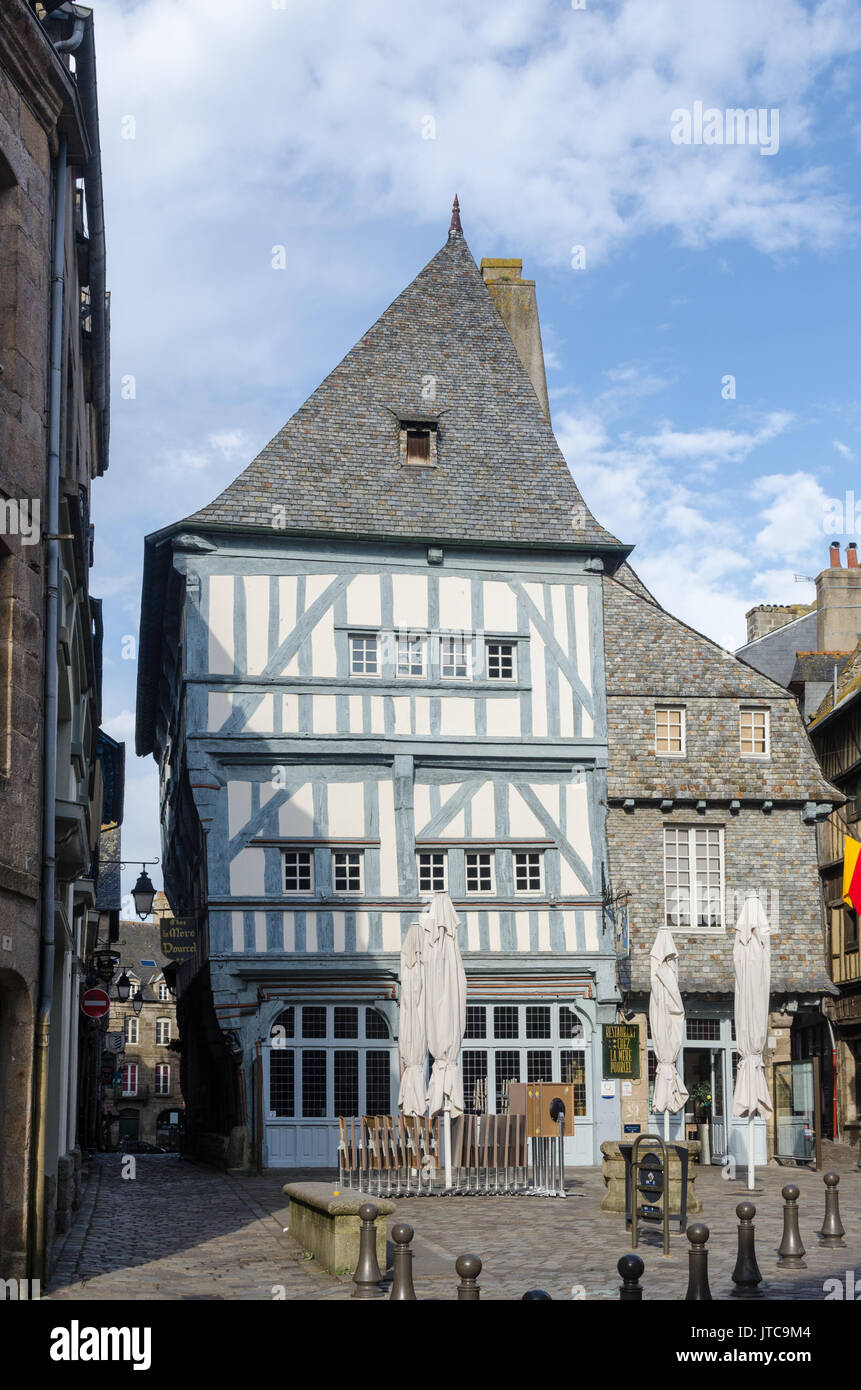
(751, 955)
(412, 1030)
(445, 1012)
(667, 1022)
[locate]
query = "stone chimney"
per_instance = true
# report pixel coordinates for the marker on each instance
(517, 305)
(767, 617)
(838, 603)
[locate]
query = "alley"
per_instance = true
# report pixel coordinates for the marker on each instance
(182, 1231)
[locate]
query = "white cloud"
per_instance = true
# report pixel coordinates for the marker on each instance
(794, 514)
(120, 726)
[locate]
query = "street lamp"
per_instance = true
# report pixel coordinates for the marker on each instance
(137, 1002)
(124, 988)
(144, 895)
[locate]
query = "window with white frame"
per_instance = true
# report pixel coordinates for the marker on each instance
(454, 658)
(163, 993)
(411, 656)
(364, 656)
(162, 1032)
(507, 1043)
(433, 877)
(501, 664)
(693, 877)
(670, 730)
(132, 1030)
(162, 1079)
(479, 871)
(753, 732)
(129, 1076)
(347, 870)
(298, 871)
(528, 871)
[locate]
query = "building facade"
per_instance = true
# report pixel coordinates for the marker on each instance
(372, 669)
(53, 443)
(819, 659)
(145, 1102)
(714, 792)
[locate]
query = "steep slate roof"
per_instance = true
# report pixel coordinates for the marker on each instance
(335, 466)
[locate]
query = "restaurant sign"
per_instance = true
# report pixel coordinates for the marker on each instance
(178, 937)
(621, 1050)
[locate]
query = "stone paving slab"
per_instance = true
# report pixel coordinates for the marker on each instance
(183, 1231)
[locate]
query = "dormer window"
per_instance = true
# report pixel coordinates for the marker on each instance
(418, 443)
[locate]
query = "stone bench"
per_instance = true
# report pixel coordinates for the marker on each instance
(327, 1226)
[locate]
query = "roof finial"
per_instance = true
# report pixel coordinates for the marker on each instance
(455, 229)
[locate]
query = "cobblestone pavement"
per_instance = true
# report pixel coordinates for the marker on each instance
(183, 1231)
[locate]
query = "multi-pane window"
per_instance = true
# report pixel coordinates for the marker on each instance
(454, 658)
(364, 659)
(162, 1079)
(298, 871)
(753, 731)
(693, 877)
(162, 1031)
(506, 1021)
(703, 1029)
(314, 1083)
(475, 1082)
(378, 1075)
(527, 871)
(347, 871)
(669, 729)
(538, 1021)
(375, 1024)
(282, 1088)
(505, 1043)
(130, 1079)
(132, 1030)
(346, 1079)
(314, 1021)
(476, 1021)
(432, 871)
(500, 661)
(346, 1024)
(411, 656)
(163, 993)
(479, 871)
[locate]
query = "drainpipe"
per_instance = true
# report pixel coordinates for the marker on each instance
(85, 75)
(49, 745)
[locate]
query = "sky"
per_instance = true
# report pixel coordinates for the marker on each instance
(277, 171)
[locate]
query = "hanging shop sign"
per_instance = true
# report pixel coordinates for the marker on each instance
(178, 937)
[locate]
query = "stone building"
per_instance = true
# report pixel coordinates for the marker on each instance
(828, 663)
(370, 669)
(713, 792)
(53, 443)
(147, 1102)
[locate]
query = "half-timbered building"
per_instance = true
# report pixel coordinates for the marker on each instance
(373, 668)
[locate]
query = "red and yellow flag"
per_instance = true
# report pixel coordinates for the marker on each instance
(852, 873)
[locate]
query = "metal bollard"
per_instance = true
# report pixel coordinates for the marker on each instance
(746, 1275)
(698, 1264)
(832, 1232)
(631, 1269)
(535, 1293)
(402, 1264)
(790, 1252)
(469, 1268)
(367, 1276)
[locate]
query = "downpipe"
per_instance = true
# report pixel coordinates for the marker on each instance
(49, 745)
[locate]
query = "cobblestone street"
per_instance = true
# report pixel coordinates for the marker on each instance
(183, 1231)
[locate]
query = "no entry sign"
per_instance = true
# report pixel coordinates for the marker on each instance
(95, 1003)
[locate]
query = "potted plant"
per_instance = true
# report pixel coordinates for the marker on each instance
(702, 1098)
